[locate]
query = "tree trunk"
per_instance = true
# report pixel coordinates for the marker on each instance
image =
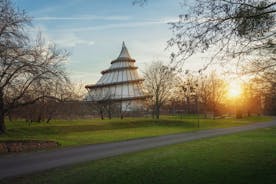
(214, 110)
(248, 113)
(121, 111)
(101, 113)
(188, 105)
(153, 112)
(10, 116)
(49, 119)
(157, 111)
(109, 112)
(2, 113)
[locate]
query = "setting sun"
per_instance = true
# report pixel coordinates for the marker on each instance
(234, 90)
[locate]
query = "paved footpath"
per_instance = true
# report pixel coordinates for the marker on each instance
(25, 163)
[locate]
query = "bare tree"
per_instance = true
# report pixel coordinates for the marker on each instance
(139, 2)
(26, 68)
(218, 91)
(188, 87)
(236, 30)
(250, 100)
(123, 108)
(159, 81)
(102, 101)
(60, 94)
(261, 96)
(204, 92)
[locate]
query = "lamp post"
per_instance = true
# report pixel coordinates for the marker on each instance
(197, 105)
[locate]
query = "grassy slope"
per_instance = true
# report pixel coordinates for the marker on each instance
(248, 157)
(78, 132)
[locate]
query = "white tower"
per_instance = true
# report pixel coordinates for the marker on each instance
(120, 83)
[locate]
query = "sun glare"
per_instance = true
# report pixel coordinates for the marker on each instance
(234, 90)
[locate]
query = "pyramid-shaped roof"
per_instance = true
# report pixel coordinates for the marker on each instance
(124, 52)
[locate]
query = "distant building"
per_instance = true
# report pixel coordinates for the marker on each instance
(120, 83)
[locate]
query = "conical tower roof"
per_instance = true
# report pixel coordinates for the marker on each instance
(120, 81)
(124, 52)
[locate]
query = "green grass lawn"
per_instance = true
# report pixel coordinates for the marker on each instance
(248, 157)
(90, 131)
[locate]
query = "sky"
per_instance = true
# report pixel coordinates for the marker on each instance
(93, 31)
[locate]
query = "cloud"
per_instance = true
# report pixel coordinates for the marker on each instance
(117, 25)
(71, 40)
(85, 77)
(105, 26)
(57, 7)
(83, 18)
(62, 39)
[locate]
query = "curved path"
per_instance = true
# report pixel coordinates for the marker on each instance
(25, 163)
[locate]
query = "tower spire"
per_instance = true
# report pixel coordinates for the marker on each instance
(124, 52)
